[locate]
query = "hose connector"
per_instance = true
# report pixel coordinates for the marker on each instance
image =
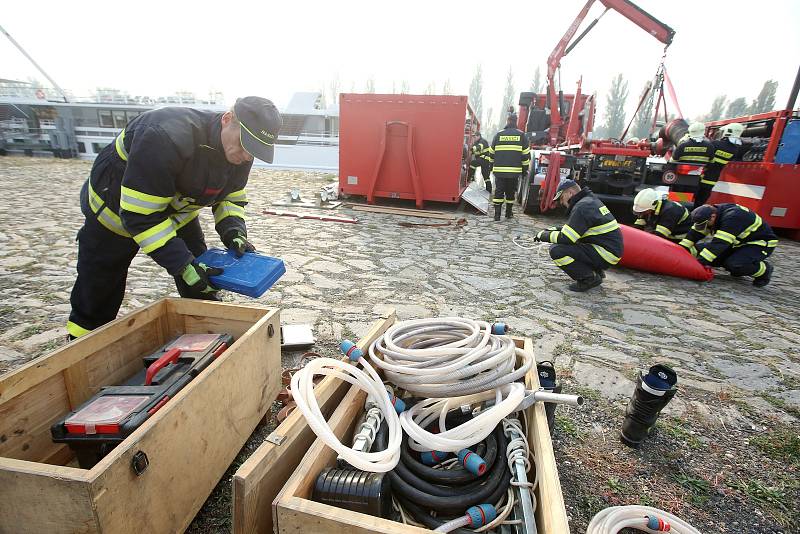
(472, 462)
(397, 402)
(499, 329)
(433, 457)
(656, 523)
(350, 350)
(481, 515)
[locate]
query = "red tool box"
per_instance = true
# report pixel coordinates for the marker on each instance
(404, 146)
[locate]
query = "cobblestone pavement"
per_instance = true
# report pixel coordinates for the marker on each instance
(726, 455)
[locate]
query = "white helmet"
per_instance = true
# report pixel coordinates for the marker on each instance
(733, 129)
(645, 200)
(697, 129)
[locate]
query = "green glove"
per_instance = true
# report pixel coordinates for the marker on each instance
(236, 241)
(196, 277)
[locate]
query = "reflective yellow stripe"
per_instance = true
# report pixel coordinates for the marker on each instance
(725, 236)
(509, 201)
(237, 196)
(571, 234)
(701, 159)
(498, 200)
(686, 243)
(685, 215)
(606, 255)
(76, 330)
(490, 150)
(254, 135)
(228, 209)
(762, 268)
(508, 169)
(182, 219)
(511, 148)
(527, 150)
(155, 237)
(720, 161)
(566, 260)
(752, 228)
(772, 243)
(105, 216)
(708, 255)
(604, 228)
(119, 143)
(553, 237)
(143, 203)
(663, 230)
(707, 182)
(640, 222)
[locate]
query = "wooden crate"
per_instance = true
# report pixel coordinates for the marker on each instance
(260, 477)
(294, 511)
(190, 442)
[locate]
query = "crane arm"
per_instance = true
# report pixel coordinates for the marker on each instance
(641, 18)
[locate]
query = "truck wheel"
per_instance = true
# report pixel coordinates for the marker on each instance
(530, 198)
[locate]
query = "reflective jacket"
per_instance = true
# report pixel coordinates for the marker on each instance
(669, 219)
(589, 221)
(510, 153)
(694, 151)
(735, 226)
(165, 166)
(480, 149)
(724, 151)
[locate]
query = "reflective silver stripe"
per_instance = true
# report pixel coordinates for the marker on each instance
(228, 209)
(604, 228)
(145, 207)
(652, 391)
(606, 255)
(182, 219)
(119, 144)
(146, 243)
(112, 222)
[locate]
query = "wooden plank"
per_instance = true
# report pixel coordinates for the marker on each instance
(36, 498)
(551, 515)
(301, 516)
(193, 439)
(407, 212)
(76, 382)
(25, 421)
(44, 367)
(258, 480)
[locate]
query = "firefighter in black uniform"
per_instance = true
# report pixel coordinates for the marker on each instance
(740, 241)
(658, 215)
(480, 158)
(145, 191)
(589, 243)
(510, 155)
(729, 148)
(694, 147)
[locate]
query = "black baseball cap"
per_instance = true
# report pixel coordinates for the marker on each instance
(260, 123)
(563, 186)
(701, 216)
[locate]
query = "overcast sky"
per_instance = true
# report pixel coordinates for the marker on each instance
(276, 48)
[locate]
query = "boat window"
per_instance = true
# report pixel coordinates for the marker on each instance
(81, 147)
(119, 119)
(97, 147)
(106, 121)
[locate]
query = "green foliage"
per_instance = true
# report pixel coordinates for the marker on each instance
(717, 108)
(699, 489)
(765, 101)
(737, 108)
(476, 94)
(615, 106)
(537, 85)
(771, 496)
(644, 120)
(565, 425)
(782, 444)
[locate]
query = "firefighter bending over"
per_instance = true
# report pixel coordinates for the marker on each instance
(658, 215)
(740, 241)
(589, 243)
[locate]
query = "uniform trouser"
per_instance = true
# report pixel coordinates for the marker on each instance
(103, 261)
(579, 261)
(486, 169)
(702, 194)
(747, 260)
(505, 189)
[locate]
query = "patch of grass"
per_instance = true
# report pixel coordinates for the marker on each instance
(771, 496)
(614, 485)
(30, 331)
(699, 489)
(782, 444)
(780, 403)
(566, 426)
(675, 429)
(564, 349)
(588, 393)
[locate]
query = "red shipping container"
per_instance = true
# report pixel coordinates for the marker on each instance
(404, 146)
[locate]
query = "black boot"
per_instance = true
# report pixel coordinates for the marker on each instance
(586, 284)
(509, 214)
(488, 184)
(547, 379)
(653, 391)
(497, 209)
(764, 279)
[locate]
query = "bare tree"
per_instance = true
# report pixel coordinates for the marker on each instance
(370, 87)
(615, 106)
(476, 94)
(446, 87)
(404, 89)
(335, 86)
(717, 108)
(536, 84)
(508, 99)
(737, 108)
(765, 101)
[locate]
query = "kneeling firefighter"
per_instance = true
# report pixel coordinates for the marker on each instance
(589, 243)
(658, 215)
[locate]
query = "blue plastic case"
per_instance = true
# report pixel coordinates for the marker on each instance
(250, 275)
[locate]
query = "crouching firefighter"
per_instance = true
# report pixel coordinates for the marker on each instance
(658, 215)
(589, 243)
(145, 191)
(510, 155)
(481, 158)
(740, 242)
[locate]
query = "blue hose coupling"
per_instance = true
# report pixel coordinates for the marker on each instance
(499, 329)
(481, 515)
(433, 457)
(397, 402)
(658, 524)
(472, 462)
(350, 350)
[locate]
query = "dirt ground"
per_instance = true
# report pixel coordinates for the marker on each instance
(726, 453)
